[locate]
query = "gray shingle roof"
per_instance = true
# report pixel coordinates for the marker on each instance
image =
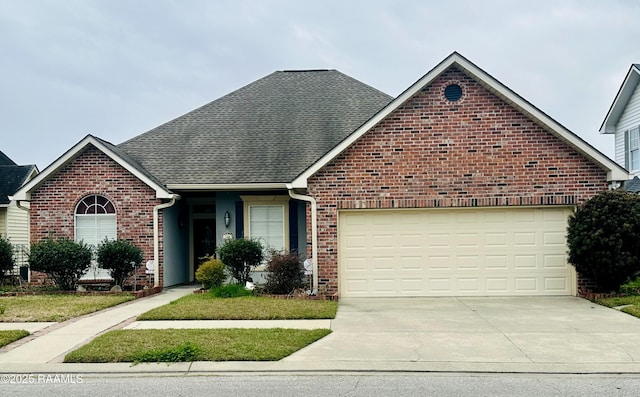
(633, 185)
(266, 132)
(4, 160)
(12, 177)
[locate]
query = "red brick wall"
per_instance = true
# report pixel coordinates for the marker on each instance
(478, 151)
(53, 204)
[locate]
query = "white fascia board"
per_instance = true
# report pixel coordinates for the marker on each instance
(25, 192)
(621, 100)
(614, 171)
(227, 186)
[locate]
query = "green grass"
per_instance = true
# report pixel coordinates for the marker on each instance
(9, 336)
(175, 345)
(55, 307)
(206, 307)
(634, 310)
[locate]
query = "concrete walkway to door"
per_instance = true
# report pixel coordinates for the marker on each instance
(511, 334)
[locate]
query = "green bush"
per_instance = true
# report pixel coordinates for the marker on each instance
(6, 257)
(230, 291)
(241, 256)
(285, 273)
(64, 260)
(120, 257)
(603, 237)
(211, 273)
(631, 287)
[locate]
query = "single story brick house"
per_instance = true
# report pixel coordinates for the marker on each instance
(457, 187)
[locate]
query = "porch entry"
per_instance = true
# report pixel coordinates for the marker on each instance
(203, 235)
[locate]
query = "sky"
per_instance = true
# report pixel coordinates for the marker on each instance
(118, 68)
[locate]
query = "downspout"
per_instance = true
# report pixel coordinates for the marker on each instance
(314, 233)
(156, 237)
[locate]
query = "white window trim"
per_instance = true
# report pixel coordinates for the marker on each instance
(94, 271)
(629, 149)
(249, 201)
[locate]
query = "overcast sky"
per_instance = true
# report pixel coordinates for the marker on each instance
(117, 68)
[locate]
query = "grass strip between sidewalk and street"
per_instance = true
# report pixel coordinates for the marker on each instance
(12, 335)
(55, 307)
(207, 307)
(184, 345)
(634, 301)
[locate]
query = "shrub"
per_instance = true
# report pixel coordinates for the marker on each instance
(631, 287)
(603, 236)
(211, 273)
(64, 260)
(285, 273)
(6, 257)
(230, 291)
(241, 256)
(120, 257)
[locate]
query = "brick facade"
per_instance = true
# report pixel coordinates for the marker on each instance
(53, 204)
(477, 151)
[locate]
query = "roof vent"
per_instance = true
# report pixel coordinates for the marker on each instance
(453, 92)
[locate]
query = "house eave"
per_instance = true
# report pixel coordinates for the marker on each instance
(614, 171)
(24, 193)
(226, 186)
(621, 100)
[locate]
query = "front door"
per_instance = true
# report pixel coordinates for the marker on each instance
(204, 240)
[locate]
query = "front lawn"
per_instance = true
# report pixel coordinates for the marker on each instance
(8, 336)
(207, 307)
(634, 301)
(55, 307)
(179, 345)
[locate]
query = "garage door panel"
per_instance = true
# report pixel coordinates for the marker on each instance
(449, 252)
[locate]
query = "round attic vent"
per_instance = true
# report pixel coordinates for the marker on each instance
(453, 92)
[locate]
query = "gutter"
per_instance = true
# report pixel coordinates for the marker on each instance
(156, 236)
(314, 233)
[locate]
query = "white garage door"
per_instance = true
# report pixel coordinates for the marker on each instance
(454, 252)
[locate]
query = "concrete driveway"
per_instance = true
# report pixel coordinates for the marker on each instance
(514, 334)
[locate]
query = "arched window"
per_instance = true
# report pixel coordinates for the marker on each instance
(95, 220)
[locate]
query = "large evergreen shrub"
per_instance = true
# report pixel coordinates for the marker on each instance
(64, 260)
(120, 257)
(603, 238)
(241, 256)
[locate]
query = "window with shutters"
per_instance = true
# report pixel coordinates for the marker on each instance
(267, 220)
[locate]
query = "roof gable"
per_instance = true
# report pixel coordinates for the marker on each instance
(614, 171)
(267, 132)
(105, 147)
(621, 100)
(12, 177)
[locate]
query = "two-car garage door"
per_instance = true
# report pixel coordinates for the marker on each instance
(454, 252)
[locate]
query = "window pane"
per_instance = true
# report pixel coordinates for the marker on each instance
(266, 223)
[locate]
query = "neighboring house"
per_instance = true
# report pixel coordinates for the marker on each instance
(14, 221)
(623, 120)
(458, 186)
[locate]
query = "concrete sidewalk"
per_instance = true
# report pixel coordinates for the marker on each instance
(57, 339)
(484, 335)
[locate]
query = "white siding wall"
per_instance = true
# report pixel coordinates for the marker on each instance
(3, 222)
(630, 118)
(17, 225)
